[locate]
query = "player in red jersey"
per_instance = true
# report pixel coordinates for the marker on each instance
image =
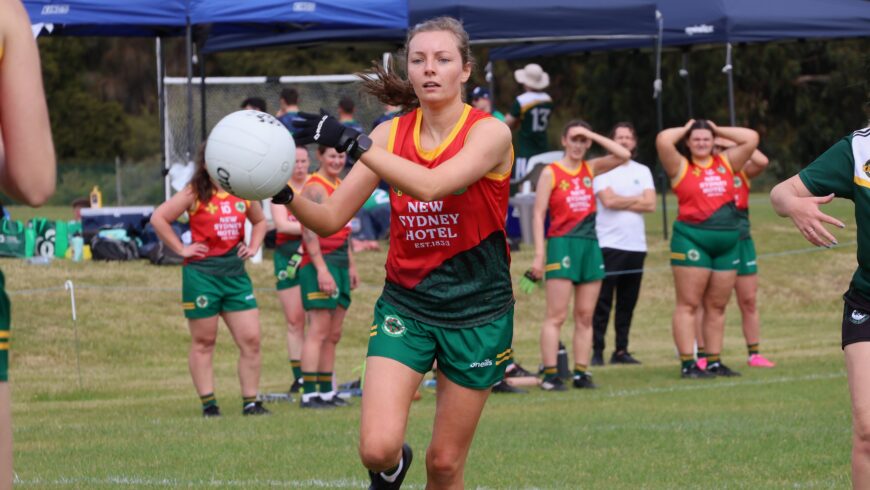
(704, 253)
(214, 281)
(288, 242)
(448, 294)
(574, 265)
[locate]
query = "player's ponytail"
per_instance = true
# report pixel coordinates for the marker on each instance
(389, 87)
(201, 183)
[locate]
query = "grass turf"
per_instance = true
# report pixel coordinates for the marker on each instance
(135, 421)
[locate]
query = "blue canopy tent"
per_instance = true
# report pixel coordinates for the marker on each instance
(147, 18)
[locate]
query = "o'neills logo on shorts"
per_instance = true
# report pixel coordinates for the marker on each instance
(481, 364)
(858, 317)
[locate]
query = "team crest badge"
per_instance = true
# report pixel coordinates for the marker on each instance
(397, 191)
(737, 181)
(867, 168)
(282, 275)
(587, 181)
(393, 326)
(201, 301)
(240, 206)
(696, 172)
(566, 262)
(720, 169)
(693, 255)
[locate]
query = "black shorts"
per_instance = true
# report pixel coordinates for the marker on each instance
(856, 319)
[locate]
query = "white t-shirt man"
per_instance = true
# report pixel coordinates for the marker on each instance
(621, 229)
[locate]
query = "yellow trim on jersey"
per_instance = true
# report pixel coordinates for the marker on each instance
(318, 295)
(746, 179)
(188, 306)
(4, 345)
(4, 334)
(553, 267)
(678, 256)
(505, 353)
(684, 169)
(531, 105)
(727, 162)
(575, 173)
(862, 182)
(433, 154)
(394, 128)
(322, 180)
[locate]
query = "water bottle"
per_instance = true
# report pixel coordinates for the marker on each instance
(562, 362)
(96, 197)
(78, 244)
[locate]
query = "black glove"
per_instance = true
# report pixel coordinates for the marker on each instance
(323, 130)
(284, 196)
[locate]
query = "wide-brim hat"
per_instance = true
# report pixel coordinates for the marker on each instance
(533, 76)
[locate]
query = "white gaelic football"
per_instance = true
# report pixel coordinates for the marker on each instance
(250, 154)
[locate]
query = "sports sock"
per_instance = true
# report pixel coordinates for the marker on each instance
(248, 400)
(579, 370)
(309, 382)
(686, 360)
(327, 395)
(752, 348)
(391, 474)
(296, 366)
(550, 372)
(208, 400)
(713, 359)
(701, 353)
(325, 382)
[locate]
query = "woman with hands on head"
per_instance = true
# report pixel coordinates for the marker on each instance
(326, 275)
(448, 293)
(841, 171)
(704, 253)
(214, 281)
(574, 265)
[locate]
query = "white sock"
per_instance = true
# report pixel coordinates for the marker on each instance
(306, 397)
(392, 478)
(327, 396)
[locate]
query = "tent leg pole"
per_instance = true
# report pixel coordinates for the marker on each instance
(684, 73)
(189, 53)
(658, 91)
(161, 112)
(202, 112)
(729, 72)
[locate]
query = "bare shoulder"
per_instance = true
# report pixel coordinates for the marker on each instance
(491, 129)
(381, 134)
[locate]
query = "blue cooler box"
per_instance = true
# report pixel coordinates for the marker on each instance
(131, 218)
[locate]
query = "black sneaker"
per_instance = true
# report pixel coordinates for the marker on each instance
(597, 359)
(719, 369)
(505, 387)
(314, 402)
(694, 372)
(623, 357)
(518, 372)
(212, 411)
(378, 482)
(584, 381)
(337, 401)
(553, 384)
(255, 408)
(296, 386)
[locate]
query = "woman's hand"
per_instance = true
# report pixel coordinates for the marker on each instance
(354, 277)
(245, 252)
(537, 269)
(326, 283)
(196, 250)
(808, 219)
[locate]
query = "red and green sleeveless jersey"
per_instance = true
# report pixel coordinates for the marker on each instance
(572, 202)
(218, 223)
(705, 194)
(449, 262)
(334, 247)
(288, 243)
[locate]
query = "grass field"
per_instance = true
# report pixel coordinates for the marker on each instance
(135, 421)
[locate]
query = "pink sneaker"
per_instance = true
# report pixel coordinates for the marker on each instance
(702, 363)
(757, 360)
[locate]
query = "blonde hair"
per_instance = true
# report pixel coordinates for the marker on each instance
(392, 89)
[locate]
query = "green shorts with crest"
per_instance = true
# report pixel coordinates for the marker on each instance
(746, 251)
(281, 280)
(315, 299)
(204, 295)
(576, 259)
(692, 246)
(473, 357)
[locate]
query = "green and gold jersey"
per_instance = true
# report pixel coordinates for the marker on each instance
(844, 170)
(533, 110)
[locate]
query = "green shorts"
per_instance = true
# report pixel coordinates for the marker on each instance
(576, 259)
(699, 247)
(315, 299)
(5, 321)
(746, 252)
(473, 357)
(282, 281)
(205, 295)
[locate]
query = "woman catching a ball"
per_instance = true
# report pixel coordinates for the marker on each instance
(448, 294)
(214, 281)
